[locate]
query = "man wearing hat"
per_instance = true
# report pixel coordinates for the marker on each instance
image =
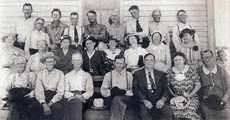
(78, 89)
(49, 88)
(215, 87)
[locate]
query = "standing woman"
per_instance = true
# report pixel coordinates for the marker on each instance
(36, 35)
(161, 52)
(183, 84)
(64, 54)
(116, 30)
(34, 64)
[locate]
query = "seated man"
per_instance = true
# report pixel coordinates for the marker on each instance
(117, 89)
(214, 88)
(149, 87)
(78, 88)
(49, 89)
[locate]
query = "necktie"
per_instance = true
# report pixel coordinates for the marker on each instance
(151, 80)
(75, 35)
(138, 27)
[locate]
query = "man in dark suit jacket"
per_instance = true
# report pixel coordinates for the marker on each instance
(149, 87)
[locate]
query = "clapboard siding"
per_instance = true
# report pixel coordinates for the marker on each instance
(196, 9)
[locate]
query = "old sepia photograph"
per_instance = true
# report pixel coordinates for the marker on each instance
(114, 59)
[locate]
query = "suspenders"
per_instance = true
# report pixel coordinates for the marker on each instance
(126, 77)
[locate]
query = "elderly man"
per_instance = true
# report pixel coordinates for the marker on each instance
(74, 30)
(117, 89)
(24, 26)
(149, 87)
(98, 31)
(49, 89)
(137, 25)
(157, 26)
(78, 89)
(214, 88)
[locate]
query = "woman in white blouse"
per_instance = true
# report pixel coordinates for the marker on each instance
(161, 52)
(134, 54)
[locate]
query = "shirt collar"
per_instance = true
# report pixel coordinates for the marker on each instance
(206, 71)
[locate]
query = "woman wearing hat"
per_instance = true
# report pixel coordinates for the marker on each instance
(183, 85)
(161, 52)
(34, 64)
(134, 54)
(49, 89)
(214, 88)
(189, 46)
(21, 91)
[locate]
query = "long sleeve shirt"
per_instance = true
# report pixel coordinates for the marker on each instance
(122, 80)
(98, 31)
(78, 81)
(131, 27)
(53, 81)
(70, 31)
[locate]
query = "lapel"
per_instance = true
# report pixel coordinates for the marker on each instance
(143, 75)
(157, 76)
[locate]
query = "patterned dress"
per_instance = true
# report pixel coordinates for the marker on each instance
(180, 83)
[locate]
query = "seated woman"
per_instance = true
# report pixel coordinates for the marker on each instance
(190, 47)
(37, 34)
(21, 91)
(78, 89)
(161, 52)
(49, 89)
(64, 54)
(113, 51)
(134, 54)
(34, 64)
(116, 30)
(183, 85)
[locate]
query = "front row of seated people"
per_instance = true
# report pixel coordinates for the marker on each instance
(52, 95)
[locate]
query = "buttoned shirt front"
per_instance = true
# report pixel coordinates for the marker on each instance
(78, 81)
(96, 30)
(70, 31)
(131, 26)
(149, 83)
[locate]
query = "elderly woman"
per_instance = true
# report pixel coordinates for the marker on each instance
(183, 84)
(214, 88)
(116, 30)
(161, 52)
(21, 91)
(134, 54)
(34, 64)
(37, 34)
(181, 25)
(64, 54)
(49, 89)
(9, 51)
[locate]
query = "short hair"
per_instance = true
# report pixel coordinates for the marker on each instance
(74, 13)
(119, 57)
(179, 54)
(179, 11)
(149, 54)
(110, 20)
(206, 51)
(56, 10)
(135, 36)
(66, 37)
(156, 33)
(186, 30)
(133, 7)
(156, 10)
(27, 4)
(92, 11)
(39, 18)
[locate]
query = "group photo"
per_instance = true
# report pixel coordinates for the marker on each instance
(114, 60)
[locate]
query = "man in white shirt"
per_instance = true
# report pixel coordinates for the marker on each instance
(78, 89)
(117, 89)
(74, 30)
(137, 25)
(157, 26)
(24, 26)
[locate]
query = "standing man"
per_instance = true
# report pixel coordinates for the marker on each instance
(157, 26)
(98, 31)
(117, 89)
(24, 26)
(149, 87)
(74, 30)
(137, 26)
(214, 88)
(55, 29)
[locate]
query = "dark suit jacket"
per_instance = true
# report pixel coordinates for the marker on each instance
(140, 86)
